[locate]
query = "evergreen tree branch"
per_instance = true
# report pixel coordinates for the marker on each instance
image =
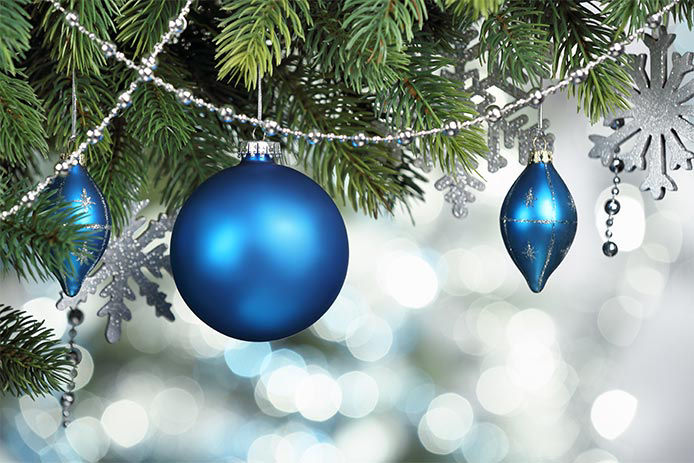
(141, 23)
(242, 45)
(31, 359)
(15, 32)
(21, 121)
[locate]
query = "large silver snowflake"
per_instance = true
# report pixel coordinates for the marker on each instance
(125, 258)
(459, 185)
(656, 128)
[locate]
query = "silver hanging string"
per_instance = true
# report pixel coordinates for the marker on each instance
(74, 108)
(260, 97)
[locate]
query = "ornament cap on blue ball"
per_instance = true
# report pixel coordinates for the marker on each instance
(78, 187)
(538, 220)
(259, 251)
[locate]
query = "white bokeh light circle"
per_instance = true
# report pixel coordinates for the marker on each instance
(318, 397)
(42, 414)
(612, 413)
(359, 394)
(369, 337)
(497, 393)
(174, 411)
(282, 387)
(531, 324)
(410, 280)
(88, 438)
(619, 320)
(629, 226)
(445, 423)
(126, 422)
(321, 453)
(664, 236)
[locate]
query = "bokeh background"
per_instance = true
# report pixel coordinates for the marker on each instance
(434, 351)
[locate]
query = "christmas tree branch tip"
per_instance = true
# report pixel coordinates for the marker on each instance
(31, 359)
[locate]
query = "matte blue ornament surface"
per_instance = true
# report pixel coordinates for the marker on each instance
(77, 187)
(538, 222)
(259, 251)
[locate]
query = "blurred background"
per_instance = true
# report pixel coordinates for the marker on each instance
(435, 350)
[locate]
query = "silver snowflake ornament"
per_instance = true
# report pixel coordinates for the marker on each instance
(123, 259)
(656, 128)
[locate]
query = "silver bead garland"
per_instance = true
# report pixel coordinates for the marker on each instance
(75, 317)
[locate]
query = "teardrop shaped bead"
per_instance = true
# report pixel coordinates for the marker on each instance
(538, 222)
(78, 187)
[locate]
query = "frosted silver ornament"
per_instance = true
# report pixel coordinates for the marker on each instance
(656, 126)
(124, 259)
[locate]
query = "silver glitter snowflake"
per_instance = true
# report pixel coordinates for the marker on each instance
(656, 126)
(124, 259)
(511, 129)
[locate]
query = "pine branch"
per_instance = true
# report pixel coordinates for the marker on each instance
(242, 45)
(36, 242)
(473, 9)
(15, 32)
(31, 359)
(627, 15)
(69, 48)
(141, 23)
(21, 121)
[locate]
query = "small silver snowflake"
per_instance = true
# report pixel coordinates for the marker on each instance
(657, 125)
(85, 200)
(83, 254)
(529, 252)
(124, 259)
(529, 198)
(458, 194)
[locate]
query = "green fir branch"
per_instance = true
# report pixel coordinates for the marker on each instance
(32, 361)
(15, 33)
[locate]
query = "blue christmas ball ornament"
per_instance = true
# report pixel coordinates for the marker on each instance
(78, 188)
(538, 220)
(259, 251)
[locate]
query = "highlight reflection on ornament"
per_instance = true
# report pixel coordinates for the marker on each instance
(538, 219)
(78, 187)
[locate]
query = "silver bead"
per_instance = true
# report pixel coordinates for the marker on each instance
(75, 355)
(270, 128)
(359, 140)
(124, 100)
(227, 114)
(536, 96)
(108, 49)
(615, 191)
(609, 249)
(612, 206)
(94, 136)
(4, 215)
(654, 21)
(75, 317)
(242, 118)
(150, 62)
(616, 166)
(67, 399)
(616, 50)
(405, 137)
(609, 222)
(608, 234)
(616, 180)
(146, 74)
(184, 96)
(72, 19)
(578, 76)
(493, 113)
(617, 123)
(60, 168)
(70, 386)
(177, 25)
(312, 138)
(451, 128)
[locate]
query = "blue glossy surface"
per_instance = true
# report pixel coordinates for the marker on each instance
(259, 251)
(538, 222)
(77, 187)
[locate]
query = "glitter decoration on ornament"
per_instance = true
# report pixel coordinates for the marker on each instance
(656, 125)
(124, 259)
(461, 183)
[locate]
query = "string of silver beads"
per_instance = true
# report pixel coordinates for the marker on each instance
(612, 207)
(75, 317)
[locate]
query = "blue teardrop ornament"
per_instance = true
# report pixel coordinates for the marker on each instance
(538, 222)
(78, 187)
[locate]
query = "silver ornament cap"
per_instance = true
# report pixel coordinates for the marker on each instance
(260, 148)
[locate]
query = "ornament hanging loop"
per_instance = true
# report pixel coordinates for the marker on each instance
(541, 150)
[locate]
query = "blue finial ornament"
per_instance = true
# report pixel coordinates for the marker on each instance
(538, 220)
(78, 188)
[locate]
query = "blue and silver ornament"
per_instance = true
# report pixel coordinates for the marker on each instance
(538, 218)
(77, 187)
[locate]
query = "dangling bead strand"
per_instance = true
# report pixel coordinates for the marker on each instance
(75, 317)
